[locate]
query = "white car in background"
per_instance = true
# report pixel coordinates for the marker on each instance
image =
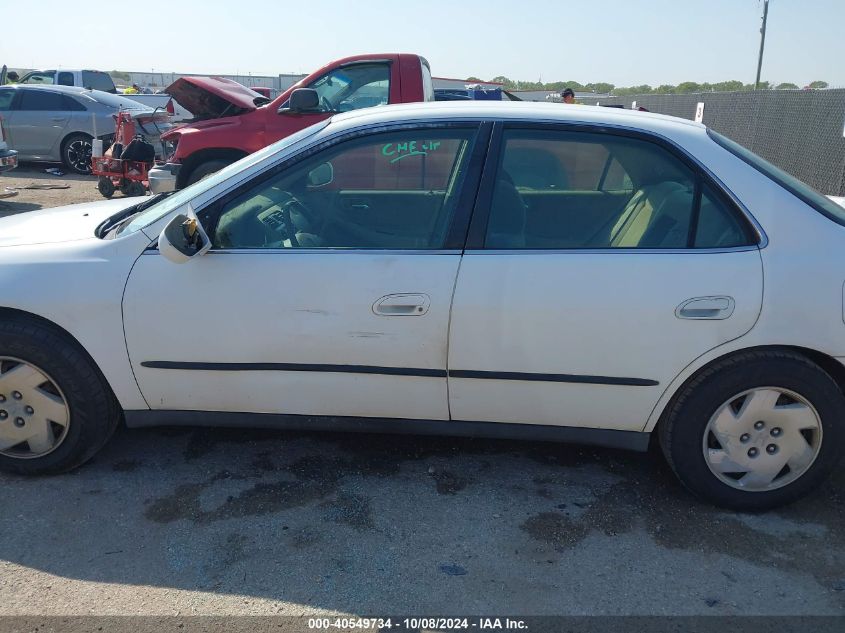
(507, 270)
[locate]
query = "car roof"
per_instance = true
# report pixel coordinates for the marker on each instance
(517, 111)
(74, 90)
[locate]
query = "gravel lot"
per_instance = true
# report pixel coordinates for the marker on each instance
(80, 189)
(201, 521)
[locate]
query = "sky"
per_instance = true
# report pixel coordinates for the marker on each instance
(623, 42)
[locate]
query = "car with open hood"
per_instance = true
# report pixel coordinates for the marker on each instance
(232, 121)
(517, 270)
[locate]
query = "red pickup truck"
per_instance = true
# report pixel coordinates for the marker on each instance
(232, 121)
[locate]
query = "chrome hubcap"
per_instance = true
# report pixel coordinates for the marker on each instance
(34, 415)
(762, 439)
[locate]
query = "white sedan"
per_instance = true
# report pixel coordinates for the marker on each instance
(507, 270)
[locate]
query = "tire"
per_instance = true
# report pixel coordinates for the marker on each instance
(204, 170)
(137, 189)
(76, 153)
(105, 186)
(74, 383)
(130, 188)
(718, 432)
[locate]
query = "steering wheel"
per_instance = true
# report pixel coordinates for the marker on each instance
(304, 211)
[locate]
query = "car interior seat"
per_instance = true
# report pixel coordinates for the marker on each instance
(657, 216)
(506, 225)
(534, 168)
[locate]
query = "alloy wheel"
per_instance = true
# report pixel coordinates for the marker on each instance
(79, 155)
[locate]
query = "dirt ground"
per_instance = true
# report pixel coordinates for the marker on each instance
(230, 522)
(28, 180)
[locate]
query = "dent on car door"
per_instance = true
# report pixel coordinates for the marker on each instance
(579, 312)
(305, 305)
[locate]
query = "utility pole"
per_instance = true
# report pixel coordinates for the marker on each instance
(762, 43)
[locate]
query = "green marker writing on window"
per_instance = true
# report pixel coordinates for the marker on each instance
(398, 151)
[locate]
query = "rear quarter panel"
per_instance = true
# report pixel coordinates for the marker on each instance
(803, 258)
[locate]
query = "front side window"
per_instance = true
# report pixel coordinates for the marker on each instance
(353, 87)
(41, 100)
(571, 190)
(392, 190)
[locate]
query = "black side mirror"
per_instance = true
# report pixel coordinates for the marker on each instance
(302, 100)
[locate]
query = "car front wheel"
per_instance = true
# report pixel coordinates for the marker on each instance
(56, 411)
(755, 431)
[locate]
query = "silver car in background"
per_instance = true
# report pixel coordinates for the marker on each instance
(58, 123)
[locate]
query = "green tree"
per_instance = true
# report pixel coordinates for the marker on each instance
(688, 87)
(643, 89)
(818, 85)
(727, 86)
(665, 89)
(474, 80)
(786, 86)
(600, 87)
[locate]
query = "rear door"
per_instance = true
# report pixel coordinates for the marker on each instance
(37, 122)
(576, 312)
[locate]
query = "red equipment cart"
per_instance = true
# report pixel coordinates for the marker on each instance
(129, 176)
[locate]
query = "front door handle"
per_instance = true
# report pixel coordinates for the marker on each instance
(713, 308)
(402, 305)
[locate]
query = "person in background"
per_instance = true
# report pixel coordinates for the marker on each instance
(12, 77)
(568, 96)
(132, 90)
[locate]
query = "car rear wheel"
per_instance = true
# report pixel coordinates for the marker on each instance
(56, 411)
(755, 431)
(76, 153)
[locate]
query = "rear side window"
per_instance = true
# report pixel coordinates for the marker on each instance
(94, 80)
(569, 190)
(72, 104)
(799, 189)
(34, 100)
(65, 79)
(428, 84)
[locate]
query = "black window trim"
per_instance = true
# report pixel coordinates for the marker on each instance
(209, 213)
(480, 216)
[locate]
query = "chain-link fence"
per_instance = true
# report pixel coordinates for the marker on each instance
(802, 132)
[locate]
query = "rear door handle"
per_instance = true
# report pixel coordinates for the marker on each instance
(713, 308)
(402, 305)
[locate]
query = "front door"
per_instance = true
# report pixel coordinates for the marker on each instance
(607, 265)
(327, 290)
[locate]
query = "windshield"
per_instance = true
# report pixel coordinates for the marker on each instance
(171, 203)
(799, 189)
